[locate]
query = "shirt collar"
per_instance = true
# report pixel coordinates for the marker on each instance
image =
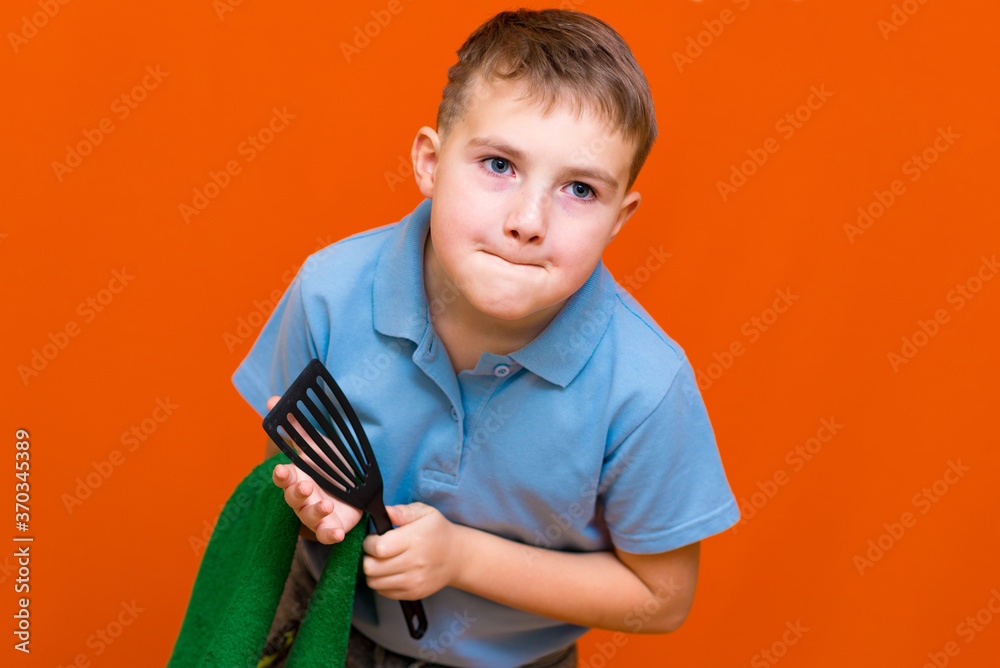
(398, 301)
(557, 354)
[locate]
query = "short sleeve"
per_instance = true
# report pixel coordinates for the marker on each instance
(285, 345)
(664, 486)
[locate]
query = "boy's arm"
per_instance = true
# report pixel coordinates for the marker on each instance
(621, 591)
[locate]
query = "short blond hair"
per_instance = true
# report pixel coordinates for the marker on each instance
(564, 56)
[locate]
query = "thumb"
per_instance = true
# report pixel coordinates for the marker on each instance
(403, 514)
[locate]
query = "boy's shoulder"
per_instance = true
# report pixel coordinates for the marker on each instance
(640, 346)
(356, 247)
(347, 258)
(641, 324)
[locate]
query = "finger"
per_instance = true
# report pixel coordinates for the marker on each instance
(315, 512)
(390, 586)
(288, 475)
(282, 476)
(329, 529)
(301, 493)
(303, 496)
(375, 569)
(382, 547)
(398, 594)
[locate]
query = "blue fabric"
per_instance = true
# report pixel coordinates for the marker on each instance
(593, 435)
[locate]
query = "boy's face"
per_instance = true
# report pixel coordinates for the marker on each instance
(522, 204)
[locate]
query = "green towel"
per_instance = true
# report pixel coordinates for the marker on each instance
(242, 576)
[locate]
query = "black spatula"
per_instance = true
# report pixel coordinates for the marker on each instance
(348, 473)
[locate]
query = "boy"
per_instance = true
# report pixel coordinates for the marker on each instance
(548, 462)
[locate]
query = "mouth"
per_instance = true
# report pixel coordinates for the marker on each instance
(509, 261)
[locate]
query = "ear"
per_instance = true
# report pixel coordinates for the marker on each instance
(425, 153)
(628, 207)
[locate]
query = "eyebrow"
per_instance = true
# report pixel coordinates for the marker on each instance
(594, 173)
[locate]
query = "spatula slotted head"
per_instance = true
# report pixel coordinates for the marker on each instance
(315, 415)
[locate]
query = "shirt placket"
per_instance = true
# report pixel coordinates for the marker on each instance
(441, 465)
(478, 388)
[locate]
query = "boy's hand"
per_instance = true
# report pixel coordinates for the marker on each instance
(327, 517)
(417, 558)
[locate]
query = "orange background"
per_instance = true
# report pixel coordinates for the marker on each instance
(164, 335)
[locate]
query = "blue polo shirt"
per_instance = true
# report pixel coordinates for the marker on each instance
(593, 435)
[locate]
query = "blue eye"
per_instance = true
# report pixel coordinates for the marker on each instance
(503, 164)
(586, 189)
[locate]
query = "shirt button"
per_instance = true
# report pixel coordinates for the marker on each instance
(501, 370)
(454, 414)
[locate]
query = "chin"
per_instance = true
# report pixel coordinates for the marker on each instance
(504, 310)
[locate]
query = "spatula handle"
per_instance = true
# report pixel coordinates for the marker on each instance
(416, 620)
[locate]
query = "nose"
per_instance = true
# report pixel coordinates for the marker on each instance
(526, 224)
